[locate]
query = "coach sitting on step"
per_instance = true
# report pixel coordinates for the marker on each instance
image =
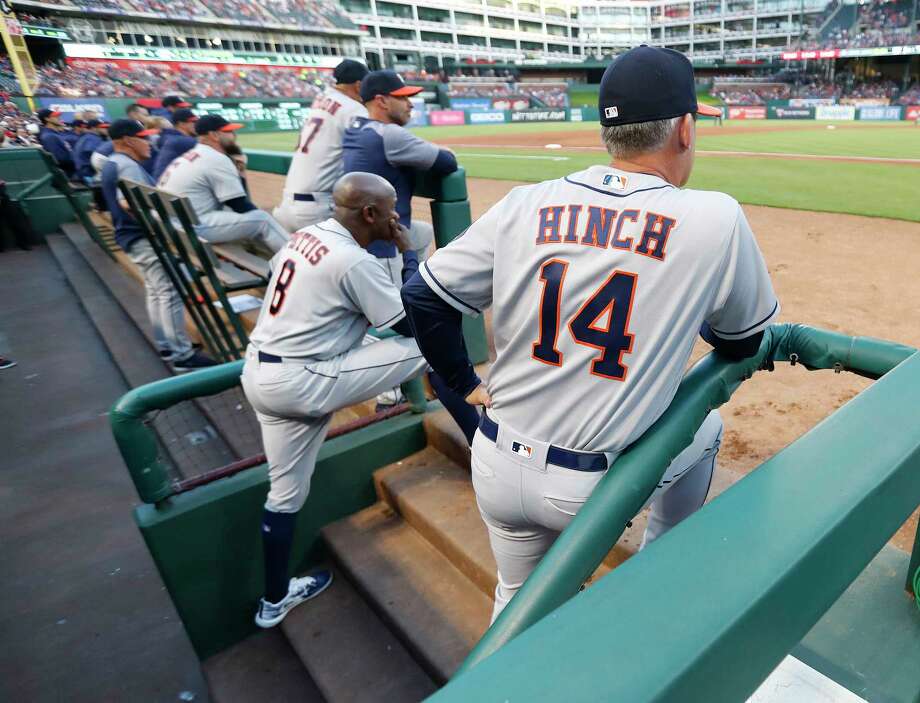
(381, 144)
(208, 178)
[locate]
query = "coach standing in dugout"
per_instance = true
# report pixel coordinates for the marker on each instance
(164, 306)
(317, 161)
(175, 140)
(209, 179)
(380, 144)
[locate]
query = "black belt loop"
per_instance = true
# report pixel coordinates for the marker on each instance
(566, 458)
(266, 358)
(304, 197)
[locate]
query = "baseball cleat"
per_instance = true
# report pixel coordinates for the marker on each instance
(299, 591)
(6, 363)
(193, 363)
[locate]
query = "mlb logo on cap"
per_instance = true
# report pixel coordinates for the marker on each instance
(611, 112)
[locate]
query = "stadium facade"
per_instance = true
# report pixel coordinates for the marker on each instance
(434, 34)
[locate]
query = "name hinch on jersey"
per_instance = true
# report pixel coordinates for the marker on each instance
(602, 227)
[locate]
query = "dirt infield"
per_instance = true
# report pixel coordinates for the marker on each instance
(588, 140)
(855, 275)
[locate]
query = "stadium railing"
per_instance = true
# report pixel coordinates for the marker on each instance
(804, 525)
(34, 180)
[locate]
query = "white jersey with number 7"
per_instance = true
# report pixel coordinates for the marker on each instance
(599, 283)
(317, 161)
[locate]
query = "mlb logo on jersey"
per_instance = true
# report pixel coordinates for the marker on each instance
(522, 450)
(615, 181)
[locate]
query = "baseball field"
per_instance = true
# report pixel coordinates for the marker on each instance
(835, 208)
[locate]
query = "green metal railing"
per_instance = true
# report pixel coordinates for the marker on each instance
(760, 564)
(621, 494)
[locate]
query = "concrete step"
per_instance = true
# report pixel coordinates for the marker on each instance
(436, 611)
(262, 667)
(348, 651)
(435, 495)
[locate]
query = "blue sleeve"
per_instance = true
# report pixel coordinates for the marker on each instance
(736, 349)
(410, 265)
(57, 147)
(445, 163)
(241, 204)
(109, 179)
(438, 329)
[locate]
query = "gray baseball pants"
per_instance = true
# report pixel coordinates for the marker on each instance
(526, 503)
(294, 215)
(294, 402)
(222, 226)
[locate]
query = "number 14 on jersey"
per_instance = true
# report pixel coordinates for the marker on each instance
(613, 300)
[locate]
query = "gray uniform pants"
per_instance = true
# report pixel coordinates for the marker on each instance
(164, 305)
(295, 402)
(526, 503)
(296, 214)
(223, 226)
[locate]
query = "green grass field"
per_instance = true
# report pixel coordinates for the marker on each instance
(874, 189)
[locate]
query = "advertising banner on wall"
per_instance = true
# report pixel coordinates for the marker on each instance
(538, 116)
(877, 112)
(810, 102)
(747, 112)
(470, 104)
(790, 113)
(575, 114)
(835, 112)
(912, 112)
(68, 107)
(490, 117)
(439, 118)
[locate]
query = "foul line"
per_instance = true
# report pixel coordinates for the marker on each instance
(700, 152)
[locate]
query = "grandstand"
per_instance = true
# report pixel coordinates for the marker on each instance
(528, 49)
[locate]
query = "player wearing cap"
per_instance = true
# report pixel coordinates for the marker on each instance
(381, 144)
(208, 178)
(599, 283)
(96, 133)
(164, 306)
(317, 161)
(51, 137)
(76, 129)
(176, 140)
(170, 104)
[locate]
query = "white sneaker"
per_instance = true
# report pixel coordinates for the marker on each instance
(299, 591)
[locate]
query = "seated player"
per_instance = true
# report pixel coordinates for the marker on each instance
(208, 178)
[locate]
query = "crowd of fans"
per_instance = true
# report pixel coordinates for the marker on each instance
(813, 88)
(17, 128)
(886, 23)
(911, 96)
(752, 95)
(109, 80)
(546, 94)
(309, 14)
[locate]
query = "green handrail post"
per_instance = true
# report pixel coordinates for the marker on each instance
(621, 494)
(137, 441)
(914, 564)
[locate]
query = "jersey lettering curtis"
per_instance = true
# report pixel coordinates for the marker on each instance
(324, 293)
(600, 283)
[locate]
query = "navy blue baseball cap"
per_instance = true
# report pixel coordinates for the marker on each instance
(646, 84)
(386, 83)
(129, 128)
(349, 71)
(215, 123)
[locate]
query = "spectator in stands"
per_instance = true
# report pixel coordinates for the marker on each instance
(381, 144)
(175, 140)
(164, 305)
(51, 138)
(209, 179)
(96, 133)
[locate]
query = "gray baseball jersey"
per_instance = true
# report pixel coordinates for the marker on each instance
(600, 282)
(324, 291)
(317, 161)
(205, 176)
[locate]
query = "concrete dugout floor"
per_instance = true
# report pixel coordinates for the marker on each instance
(85, 616)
